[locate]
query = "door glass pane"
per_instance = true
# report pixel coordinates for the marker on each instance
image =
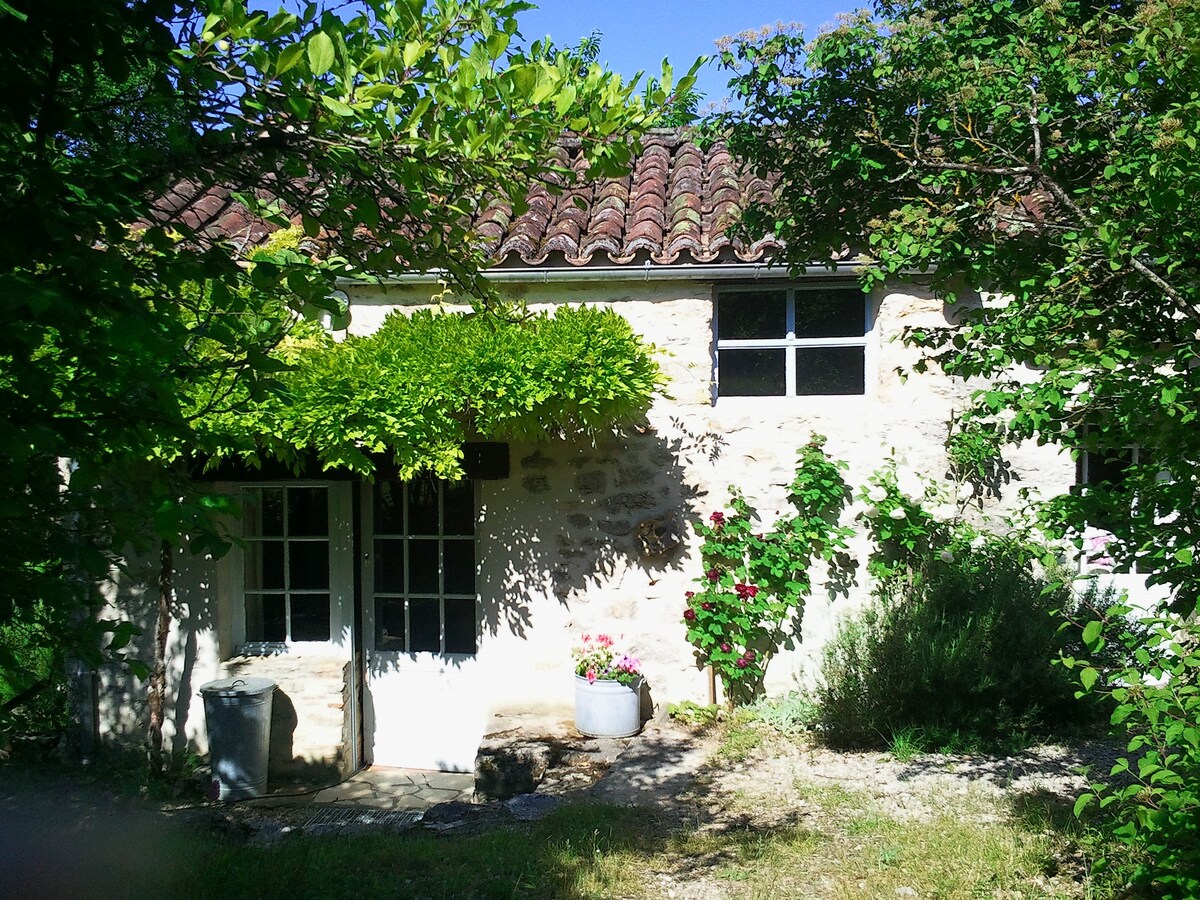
(264, 566)
(308, 512)
(425, 625)
(308, 565)
(459, 562)
(423, 506)
(389, 566)
(310, 617)
(262, 512)
(459, 507)
(389, 624)
(830, 370)
(752, 373)
(266, 618)
(830, 313)
(752, 314)
(389, 507)
(423, 567)
(460, 626)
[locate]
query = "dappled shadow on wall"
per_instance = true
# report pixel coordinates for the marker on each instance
(192, 607)
(575, 515)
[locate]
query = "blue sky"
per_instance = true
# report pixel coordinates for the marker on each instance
(637, 34)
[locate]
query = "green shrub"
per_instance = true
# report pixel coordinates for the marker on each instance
(1153, 802)
(26, 661)
(960, 649)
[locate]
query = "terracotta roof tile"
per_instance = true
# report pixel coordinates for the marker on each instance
(674, 206)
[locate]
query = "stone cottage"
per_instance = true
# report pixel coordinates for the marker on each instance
(399, 618)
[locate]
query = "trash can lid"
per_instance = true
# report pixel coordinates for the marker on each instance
(248, 685)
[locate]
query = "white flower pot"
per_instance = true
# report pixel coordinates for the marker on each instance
(606, 708)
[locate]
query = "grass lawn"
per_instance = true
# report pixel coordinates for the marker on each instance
(586, 851)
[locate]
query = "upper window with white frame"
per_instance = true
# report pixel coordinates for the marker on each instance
(791, 341)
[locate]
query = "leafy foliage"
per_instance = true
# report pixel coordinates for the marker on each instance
(1043, 153)
(424, 383)
(958, 651)
(756, 581)
(1154, 790)
(374, 135)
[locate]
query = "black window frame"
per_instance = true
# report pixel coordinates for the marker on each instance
(790, 342)
(406, 537)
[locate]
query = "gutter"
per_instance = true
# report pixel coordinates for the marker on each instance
(646, 272)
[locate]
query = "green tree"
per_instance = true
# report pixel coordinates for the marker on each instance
(1034, 163)
(379, 133)
(1043, 154)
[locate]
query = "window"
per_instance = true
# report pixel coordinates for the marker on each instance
(286, 564)
(424, 572)
(787, 342)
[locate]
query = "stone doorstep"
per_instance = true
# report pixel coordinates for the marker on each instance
(524, 754)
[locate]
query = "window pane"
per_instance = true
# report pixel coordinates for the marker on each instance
(308, 562)
(262, 513)
(423, 506)
(459, 502)
(425, 622)
(459, 561)
(308, 511)
(423, 567)
(389, 624)
(460, 626)
(830, 313)
(830, 370)
(389, 566)
(264, 566)
(1108, 467)
(752, 314)
(310, 617)
(389, 507)
(266, 618)
(751, 373)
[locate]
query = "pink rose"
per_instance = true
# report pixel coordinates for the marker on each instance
(591, 676)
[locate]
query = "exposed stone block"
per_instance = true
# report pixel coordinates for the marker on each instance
(630, 501)
(593, 482)
(615, 526)
(537, 461)
(535, 484)
(506, 769)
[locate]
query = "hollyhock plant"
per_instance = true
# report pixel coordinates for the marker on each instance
(599, 658)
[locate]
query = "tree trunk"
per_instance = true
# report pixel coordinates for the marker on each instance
(158, 675)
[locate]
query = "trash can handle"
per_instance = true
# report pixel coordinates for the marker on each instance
(237, 681)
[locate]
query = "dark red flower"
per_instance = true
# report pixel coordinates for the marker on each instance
(690, 615)
(718, 519)
(706, 606)
(690, 594)
(713, 574)
(725, 648)
(741, 663)
(749, 657)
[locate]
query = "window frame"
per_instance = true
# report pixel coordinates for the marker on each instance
(340, 592)
(373, 595)
(789, 342)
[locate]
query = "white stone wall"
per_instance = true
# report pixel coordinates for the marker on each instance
(558, 555)
(557, 550)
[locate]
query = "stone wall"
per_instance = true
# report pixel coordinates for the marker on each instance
(560, 548)
(308, 718)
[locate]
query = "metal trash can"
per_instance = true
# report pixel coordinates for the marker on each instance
(238, 714)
